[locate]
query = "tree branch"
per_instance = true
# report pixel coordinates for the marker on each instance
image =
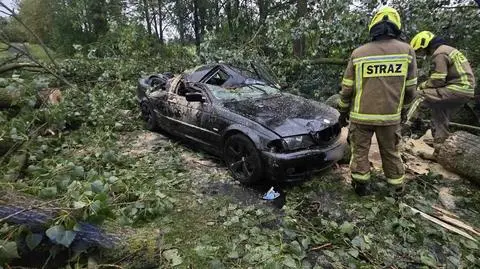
(12, 66)
(12, 13)
(3, 39)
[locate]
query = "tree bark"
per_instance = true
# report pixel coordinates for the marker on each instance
(262, 10)
(179, 10)
(155, 22)
(460, 154)
(196, 26)
(147, 16)
(160, 20)
(299, 42)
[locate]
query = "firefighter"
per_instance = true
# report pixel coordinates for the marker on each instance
(450, 85)
(378, 83)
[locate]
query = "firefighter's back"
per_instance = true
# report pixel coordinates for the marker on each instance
(381, 72)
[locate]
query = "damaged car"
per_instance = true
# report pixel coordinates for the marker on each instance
(243, 116)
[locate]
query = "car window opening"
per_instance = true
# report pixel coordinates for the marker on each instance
(219, 78)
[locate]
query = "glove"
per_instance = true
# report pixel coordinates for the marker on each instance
(343, 119)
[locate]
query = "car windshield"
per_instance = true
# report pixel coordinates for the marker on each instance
(245, 92)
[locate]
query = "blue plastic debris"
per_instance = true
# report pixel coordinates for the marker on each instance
(271, 194)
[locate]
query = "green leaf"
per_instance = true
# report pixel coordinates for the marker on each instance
(59, 235)
(233, 254)
(97, 186)
(296, 248)
(347, 228)
(353, 252)
(8, 250)
(33, 240)
(49, 192)
(428, 259)
(79, 204)
(306, 242)
(358, 242)
(78, 172)
(173, 257)
(289, 262)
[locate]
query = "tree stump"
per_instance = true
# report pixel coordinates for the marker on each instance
(460, 154)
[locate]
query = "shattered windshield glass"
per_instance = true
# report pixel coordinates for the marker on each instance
(242, 93)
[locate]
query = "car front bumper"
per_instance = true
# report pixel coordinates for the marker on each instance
(299, 165)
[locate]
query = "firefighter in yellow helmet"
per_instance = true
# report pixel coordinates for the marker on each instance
(378, 83)
(450, 85)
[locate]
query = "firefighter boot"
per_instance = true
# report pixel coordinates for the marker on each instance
(361, 188)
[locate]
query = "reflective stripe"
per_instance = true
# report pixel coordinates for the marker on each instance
(342, 104)
(375, 117)
(384, 58)
(463, 89)
(394, 59)
(347, 82)
(360, 177)
(414, 107)
(359, 88)
(411, 82)
(396, 181)
(458, 59)
(438, 76)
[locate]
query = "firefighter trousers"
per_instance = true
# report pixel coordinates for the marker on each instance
(442, 103)
(388, 138)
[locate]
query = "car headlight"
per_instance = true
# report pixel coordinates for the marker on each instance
(298, 142)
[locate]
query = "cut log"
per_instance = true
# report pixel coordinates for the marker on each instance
(460, 154)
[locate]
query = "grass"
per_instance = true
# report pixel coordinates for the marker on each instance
(34, 49)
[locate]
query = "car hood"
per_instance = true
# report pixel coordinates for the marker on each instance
(286, 114)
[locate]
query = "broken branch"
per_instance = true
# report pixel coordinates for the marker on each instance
(321, 247)
(8, 67)
(441, 223)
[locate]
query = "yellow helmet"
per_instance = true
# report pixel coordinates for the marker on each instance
(388, 13)
(421, 40)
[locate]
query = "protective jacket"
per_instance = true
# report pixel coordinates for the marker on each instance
(380, 79)
(450, 69)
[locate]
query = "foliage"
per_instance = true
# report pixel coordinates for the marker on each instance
(88, 155)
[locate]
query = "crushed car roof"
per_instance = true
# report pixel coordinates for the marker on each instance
(236, 76)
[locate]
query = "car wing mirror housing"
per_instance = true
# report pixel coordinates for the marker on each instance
(195, 97)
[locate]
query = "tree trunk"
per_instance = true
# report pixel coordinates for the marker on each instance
(155, 23)
(262, 10)
(196, 25)
(460, 154)
(299, 41)
(179, 10)
(160, 21)
(147, 16)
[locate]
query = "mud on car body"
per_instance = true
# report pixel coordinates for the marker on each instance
(244, 117)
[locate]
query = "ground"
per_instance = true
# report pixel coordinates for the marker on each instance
(321, 221)
(185, 204)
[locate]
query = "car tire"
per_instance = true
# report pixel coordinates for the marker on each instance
(149, 116)
(242, 159)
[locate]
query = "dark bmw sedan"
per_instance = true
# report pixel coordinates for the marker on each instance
(244, 117)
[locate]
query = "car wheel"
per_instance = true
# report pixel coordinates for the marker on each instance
(242, 159)
(149, 116)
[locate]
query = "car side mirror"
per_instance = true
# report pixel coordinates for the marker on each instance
(195, 97)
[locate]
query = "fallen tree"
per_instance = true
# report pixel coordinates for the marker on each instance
(119, 247)
(460, 154)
